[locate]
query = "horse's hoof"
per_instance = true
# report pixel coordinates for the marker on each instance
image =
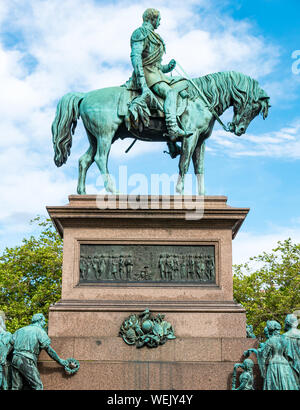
(179, 191)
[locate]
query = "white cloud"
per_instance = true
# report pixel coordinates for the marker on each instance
(31, 191)
(284, 143)
(119, 147)
(249, 244)
(80, 46)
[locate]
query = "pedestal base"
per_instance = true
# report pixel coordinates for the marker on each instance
(107, 363)
(210, 328)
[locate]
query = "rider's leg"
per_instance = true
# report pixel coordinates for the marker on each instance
(161, 89)
(181, 87)
(170, 106)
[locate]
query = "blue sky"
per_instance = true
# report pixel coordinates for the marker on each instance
(49, 48)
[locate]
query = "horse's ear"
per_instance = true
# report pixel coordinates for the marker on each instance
(265, 106)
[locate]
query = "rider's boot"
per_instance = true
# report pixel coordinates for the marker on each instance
(170, 107)
(174, 149)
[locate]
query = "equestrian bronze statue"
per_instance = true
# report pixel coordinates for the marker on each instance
(154, 107)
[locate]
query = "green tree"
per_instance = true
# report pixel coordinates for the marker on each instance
(268, 286)
(30, 276)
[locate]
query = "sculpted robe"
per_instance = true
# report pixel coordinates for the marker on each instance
(293, 351)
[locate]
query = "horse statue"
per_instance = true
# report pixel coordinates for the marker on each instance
(107, 115)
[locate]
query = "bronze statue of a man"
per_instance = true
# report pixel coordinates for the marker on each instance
(147, 49)
(28, 342)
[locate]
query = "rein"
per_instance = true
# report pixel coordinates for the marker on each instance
(201, 95)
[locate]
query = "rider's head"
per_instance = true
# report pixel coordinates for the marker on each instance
(153, 16)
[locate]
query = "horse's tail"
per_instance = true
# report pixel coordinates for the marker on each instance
(63, 126)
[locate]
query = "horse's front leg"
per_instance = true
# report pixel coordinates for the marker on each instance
(180, 181)
(188, 145)
(198, 154)
(198, 162)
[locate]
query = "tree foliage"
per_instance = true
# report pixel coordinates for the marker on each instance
(268, 286)
(30, 276)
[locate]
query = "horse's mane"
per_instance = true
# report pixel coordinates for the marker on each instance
(223, 87)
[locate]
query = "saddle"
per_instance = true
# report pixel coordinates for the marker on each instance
(145, 117)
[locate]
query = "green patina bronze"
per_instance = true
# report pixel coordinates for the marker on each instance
(145, 329)
(27, 343)
(6, 346)
(147, 49)
(147, 263)
(153, 107)
(246, 378)
(292, 335)
(249, 332)
(278, 357)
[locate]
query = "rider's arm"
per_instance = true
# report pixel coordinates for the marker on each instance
(137, 48)
(167, 68)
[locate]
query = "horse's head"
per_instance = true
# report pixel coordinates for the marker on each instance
(246, 106)
(244, 114)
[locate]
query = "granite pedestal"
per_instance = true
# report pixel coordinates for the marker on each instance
(210, 327)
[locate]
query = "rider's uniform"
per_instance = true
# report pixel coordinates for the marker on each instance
(147, 50)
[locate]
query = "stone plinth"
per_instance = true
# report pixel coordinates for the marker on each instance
(203, 314)
(107, 363)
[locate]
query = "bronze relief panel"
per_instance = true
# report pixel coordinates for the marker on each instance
(147, 263)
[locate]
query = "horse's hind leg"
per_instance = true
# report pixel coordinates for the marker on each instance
(85, 161)
(101, 158)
